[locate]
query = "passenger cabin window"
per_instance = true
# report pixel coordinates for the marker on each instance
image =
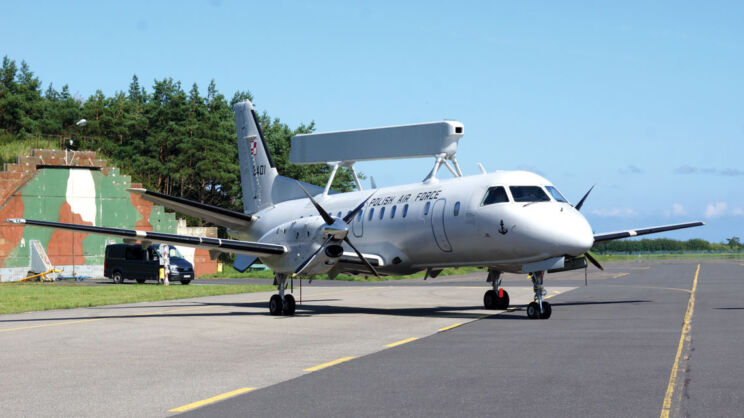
(528, 194)
(426, 208)
(556, 194)
(359, 217)
(382, 212)
(405, 210)
(392, 212)
(371, 214)
(457, 208)
(495, 194)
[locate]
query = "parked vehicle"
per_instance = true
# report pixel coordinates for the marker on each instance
(132, 262)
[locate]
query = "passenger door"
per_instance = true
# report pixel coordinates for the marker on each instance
(437, 226)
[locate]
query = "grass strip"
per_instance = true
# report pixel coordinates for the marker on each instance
(27, 297)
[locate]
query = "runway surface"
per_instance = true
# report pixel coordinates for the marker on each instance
(413, 348)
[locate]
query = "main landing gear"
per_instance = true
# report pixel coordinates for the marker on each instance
(539, 308)
(496, 298)
(280, 303)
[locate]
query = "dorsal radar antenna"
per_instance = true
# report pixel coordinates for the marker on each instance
(345, 148)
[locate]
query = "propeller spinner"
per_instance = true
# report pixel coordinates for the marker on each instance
(336, 230)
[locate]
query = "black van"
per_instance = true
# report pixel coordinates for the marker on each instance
(124, 261)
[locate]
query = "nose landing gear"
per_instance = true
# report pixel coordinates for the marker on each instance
(496, 298)
(539, 309)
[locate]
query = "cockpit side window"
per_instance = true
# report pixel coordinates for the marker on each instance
(528, 194)
(556, 194)
(495, 194)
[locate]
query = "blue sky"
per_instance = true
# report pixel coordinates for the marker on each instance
(643, 99)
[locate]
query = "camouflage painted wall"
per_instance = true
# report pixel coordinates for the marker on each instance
(77, 195)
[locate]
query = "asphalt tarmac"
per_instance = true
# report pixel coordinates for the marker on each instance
(404, 348)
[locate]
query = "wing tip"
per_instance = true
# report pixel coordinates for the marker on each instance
(15, 221)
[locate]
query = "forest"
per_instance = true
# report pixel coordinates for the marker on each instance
(176, 142)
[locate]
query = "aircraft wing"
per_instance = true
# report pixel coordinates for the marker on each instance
(215, 214)
(611, 236)
(226, 245)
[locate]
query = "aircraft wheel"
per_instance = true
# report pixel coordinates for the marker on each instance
(502, 299)
(490, 299)
(288, 306)
(533, 310)
(275, 305)
(547, 310)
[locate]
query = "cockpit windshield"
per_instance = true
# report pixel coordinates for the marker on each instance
(556, 194)
(495, 194)
(528, 194)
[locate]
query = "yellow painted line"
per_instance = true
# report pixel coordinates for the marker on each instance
(401, 342)
(56, 324)
(617, 276)
(213, 399)
(686, 326)
(512, 309)
(329, 364)
(450, 327)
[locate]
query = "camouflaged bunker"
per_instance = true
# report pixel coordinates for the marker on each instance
(77, 187)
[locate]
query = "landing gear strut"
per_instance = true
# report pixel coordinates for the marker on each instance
(281, 303)
(496, 298)
(539, 309)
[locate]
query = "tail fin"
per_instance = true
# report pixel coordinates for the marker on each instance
(257, 170)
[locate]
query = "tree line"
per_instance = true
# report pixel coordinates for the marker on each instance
(176, 142)
(665, 245)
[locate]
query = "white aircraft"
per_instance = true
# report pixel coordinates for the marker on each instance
(505, 221)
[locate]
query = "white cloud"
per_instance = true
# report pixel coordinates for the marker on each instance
(719, 209)
(678, 209)
(615, 212)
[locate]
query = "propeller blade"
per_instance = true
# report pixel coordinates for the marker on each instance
(326, 217)
(350, 216)
(369, 266)
(581, 202)
(593, 260)
(305, 263)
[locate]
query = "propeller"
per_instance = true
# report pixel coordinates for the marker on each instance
(581, 202)
(337, 230)
(587, 254)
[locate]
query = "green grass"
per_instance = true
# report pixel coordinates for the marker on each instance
(228, 272)
(674, 256)
(12, 148)
(26, 297)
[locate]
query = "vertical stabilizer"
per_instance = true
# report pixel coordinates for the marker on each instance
(257, 170)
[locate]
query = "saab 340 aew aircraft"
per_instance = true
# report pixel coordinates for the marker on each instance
(505, 221)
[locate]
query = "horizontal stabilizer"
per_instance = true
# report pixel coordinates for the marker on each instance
(215, 214)
(225, 245)
(611, 236)
(243, 262)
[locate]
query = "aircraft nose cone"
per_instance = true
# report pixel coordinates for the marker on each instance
(578, 237)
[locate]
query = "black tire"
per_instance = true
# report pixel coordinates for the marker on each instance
(140, 281)
(490, 299)
(275, 305)
(117, 277)
(502, 302)
(288, 306)
(547, 310)
(185, 281)
(533, 310)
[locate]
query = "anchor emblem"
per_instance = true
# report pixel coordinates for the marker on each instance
(502, 230)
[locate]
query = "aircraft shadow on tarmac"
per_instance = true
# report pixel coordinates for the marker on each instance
(307, 310)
